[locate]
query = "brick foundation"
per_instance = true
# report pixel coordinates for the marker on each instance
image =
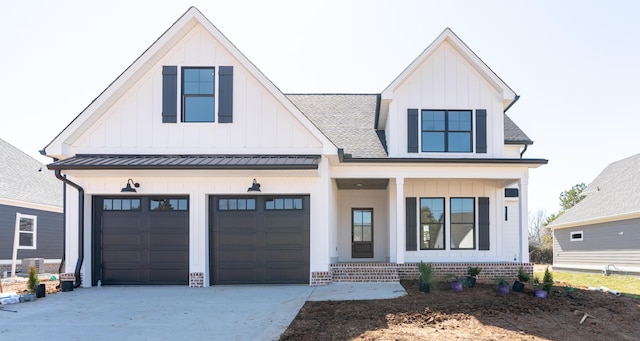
(391, 272)
(321, 278)
(196, 280)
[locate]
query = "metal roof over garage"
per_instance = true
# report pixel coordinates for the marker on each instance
(188, 162)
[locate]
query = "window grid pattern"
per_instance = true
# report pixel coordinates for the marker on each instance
(121, 204)
(198, 100)
(169, 204)
(446, 131)
(237, 204)
(283, 204)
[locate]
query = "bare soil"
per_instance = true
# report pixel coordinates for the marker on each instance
(19, 286)
(479, 313)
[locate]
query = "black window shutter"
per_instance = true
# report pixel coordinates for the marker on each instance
(225, 101)
(412, 131)
(411, 225)
(169, 94)
(483, 223)
(481, 131)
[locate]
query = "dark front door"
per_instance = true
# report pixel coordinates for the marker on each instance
(141, 240)
(259, 239)
(362, 233)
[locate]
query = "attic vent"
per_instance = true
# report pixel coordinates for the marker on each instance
(511, 193)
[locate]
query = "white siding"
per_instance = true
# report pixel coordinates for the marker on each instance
(446, 80)
(261, 123)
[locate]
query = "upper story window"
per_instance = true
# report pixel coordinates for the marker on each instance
(198, 100)
(446, 131)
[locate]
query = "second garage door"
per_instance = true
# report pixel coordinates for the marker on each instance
(259, 239)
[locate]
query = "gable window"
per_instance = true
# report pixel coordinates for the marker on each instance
(198, 102)
(431, 223)
(462, 223)
(27, 229)
(446, 131)
(576, 236)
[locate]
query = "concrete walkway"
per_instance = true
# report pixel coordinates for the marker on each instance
(248, 312)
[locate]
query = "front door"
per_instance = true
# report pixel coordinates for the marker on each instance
(362, 233)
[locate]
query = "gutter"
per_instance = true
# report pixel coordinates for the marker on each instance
(524, 150)
(78, 279)
(512, 103)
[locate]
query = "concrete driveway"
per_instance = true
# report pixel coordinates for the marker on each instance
(249, 312)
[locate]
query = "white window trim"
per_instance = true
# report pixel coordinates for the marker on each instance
(20, 216)
(576, 239)
(216, 93)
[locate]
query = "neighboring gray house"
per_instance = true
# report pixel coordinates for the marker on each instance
(30, 191)
(602, 232)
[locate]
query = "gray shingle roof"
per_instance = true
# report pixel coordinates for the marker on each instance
(513, 134)
(615, 191)
(348, 120)
(23, 178)
(188, 162)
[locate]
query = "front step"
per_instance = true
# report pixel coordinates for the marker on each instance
(364, 272)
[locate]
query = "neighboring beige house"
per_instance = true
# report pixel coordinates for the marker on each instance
(602, 232)
(193, 168)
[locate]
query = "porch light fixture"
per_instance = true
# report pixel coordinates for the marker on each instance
(128, 188)
(255, 187)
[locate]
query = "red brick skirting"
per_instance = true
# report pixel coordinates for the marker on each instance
(391, 272)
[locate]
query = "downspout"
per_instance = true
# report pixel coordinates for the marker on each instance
(524, 150)
(78, 281)
(64, 228)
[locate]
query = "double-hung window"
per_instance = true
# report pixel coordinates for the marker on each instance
(198, 102)
(463, 223)
(27, 231)
(431, 223)
(446, 131)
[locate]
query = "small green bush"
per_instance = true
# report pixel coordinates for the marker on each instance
(33, 281)
(547, 280)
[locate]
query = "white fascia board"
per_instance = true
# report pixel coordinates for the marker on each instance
(31, 205)
(507, 93)
(598, 220)
(159, 48)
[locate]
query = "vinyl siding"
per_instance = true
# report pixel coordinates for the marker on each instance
(49, 233)
(616, 243)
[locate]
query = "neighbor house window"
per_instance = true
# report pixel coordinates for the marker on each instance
(463, 223)
(198, 94)
(168, 204)
(446, 131)
(576, 236)
(28, 227)
(431, 223)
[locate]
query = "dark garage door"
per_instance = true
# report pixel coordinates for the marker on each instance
(259, 239)
(141, 240)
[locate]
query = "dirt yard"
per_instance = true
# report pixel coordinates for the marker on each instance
(19, 285)
(479, 313)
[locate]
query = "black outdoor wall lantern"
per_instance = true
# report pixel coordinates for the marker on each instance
(128, 188)
(255, 187)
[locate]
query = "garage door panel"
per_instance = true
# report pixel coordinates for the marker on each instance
(237, 238)
(237, 256)
(286, 238)
(265, 245)
(141, 246)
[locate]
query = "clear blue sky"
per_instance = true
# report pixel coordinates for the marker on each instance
(575, 64)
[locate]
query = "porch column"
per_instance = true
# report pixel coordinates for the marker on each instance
(523, 184)
(400, 221)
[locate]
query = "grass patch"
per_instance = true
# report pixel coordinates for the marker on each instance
(629, 286)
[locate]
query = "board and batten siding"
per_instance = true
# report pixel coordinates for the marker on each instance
(261, 123)
(48, 233)
(614, 244)
(445, 81)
